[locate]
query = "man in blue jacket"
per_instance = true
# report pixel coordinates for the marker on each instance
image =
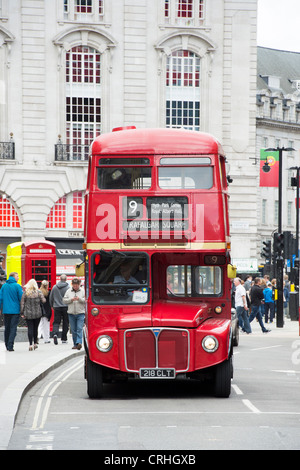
(10, 299)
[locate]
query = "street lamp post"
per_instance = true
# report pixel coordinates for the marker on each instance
(279, 257)
(297, 168)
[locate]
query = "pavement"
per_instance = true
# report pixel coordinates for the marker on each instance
(21, 369)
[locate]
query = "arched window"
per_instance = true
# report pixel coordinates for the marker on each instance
(67, 213)
(8, 215)
(183, 90)
(83, 99)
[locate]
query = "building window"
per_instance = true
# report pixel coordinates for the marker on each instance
(8, 215)
(167, 8)
(78, 202)
(83, 65)
(67, 213)
(185, 8)
(184, 114)
(291, 145)
(83, 10)
(57, 216)
(83, 6)
(184, 12)
(83, 99)
(201, 9)
(183, 90)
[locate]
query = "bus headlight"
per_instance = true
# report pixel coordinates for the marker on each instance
(218, 310)
(104, 343)
(210, 344)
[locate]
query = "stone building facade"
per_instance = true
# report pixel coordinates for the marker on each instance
(71, 69)
(278, 125)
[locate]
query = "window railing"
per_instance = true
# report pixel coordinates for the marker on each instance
(71, 152)
(7, 150)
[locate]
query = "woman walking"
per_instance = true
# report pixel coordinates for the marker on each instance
(31, 310)
(44, 326)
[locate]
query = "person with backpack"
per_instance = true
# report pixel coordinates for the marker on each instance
(60, 309)
(257, 298)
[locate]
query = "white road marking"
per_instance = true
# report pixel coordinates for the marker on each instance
(54, 384)
(266, 347)
(250, 406)
(237, 390)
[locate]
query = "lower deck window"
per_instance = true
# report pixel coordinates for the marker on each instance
(194, 281)
(120, 278)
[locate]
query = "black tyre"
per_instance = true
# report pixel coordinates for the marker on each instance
(223, 374)
(94, 378)
(236, 337)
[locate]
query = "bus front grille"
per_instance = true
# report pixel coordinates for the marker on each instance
(157, 348)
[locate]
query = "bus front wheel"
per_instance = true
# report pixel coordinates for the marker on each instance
(94, 379)
(222, 379)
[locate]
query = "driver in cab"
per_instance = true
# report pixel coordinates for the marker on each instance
(125, 276)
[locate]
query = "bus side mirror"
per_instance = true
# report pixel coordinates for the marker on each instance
(79, 270)
(231, 271)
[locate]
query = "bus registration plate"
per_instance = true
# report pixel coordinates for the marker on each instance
(157, 373)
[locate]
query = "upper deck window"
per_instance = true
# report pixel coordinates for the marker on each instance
(191, 177)
(185, 161)
(117, 177)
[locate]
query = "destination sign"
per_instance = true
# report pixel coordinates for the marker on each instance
(139, 225)
(157, 213)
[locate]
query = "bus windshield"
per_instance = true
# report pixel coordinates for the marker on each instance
(194, 281)
(120, 278)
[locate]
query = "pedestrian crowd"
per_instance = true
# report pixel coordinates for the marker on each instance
(36, 304)
(255, 299)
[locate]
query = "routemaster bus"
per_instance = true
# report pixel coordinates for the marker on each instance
(157, 269)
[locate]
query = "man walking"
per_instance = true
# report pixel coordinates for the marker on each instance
(257, 296)
(60, 309)
(10, 299)
(74, 299)
(241, 305)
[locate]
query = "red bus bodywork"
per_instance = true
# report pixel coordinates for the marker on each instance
(157, 200)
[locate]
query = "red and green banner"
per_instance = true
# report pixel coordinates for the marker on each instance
(270, 178)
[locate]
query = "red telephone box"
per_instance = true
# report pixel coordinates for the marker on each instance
(38, 261)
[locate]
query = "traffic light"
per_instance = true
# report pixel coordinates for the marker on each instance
(278, 243)
(267, 250)
(288, 245)
(295, 272)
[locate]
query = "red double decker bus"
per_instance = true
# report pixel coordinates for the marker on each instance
(158, 290)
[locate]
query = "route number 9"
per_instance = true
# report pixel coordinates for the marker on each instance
(132, 207)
